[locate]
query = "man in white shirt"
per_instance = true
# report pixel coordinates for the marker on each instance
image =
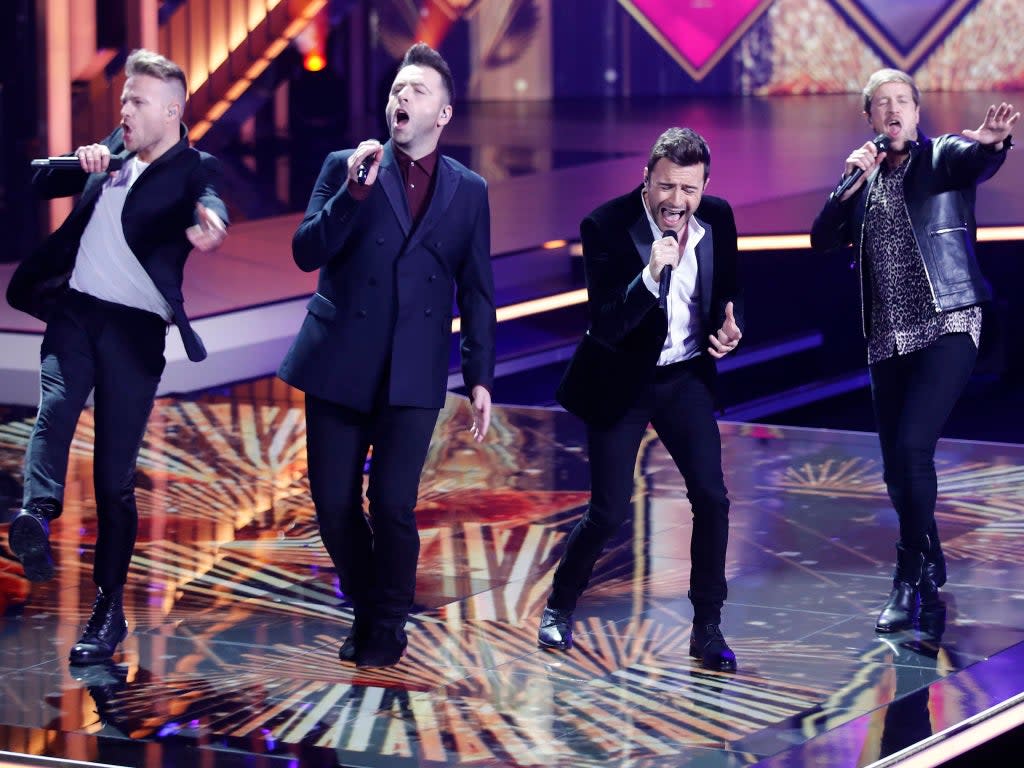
(649, 360)
(108, 283)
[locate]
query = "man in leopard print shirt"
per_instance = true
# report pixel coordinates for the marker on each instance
(911, 216)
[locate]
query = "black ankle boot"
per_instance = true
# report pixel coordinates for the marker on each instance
(29, 538)
(106, 628)
(932, 577)
(900, 609)
(381, 645)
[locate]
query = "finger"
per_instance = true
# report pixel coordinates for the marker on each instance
(728, 312)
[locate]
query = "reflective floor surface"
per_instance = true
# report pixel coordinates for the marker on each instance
(236, 615)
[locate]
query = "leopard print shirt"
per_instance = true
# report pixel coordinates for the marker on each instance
(904, 317)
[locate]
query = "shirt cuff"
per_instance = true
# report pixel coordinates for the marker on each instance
(649, 281)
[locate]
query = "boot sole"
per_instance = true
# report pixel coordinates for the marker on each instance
(555, 646)
(31, 546)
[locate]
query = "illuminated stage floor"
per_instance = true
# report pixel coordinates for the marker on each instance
(236, 617)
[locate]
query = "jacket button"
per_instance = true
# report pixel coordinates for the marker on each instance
(361, 313)
(437, 244)
(426, 312)
(380, 241)
(432, 278)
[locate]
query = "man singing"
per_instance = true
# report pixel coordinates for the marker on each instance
(108, 283)
(911, 214)
(394, 229)
(662, 372)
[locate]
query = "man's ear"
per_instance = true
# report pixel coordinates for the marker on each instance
(445, 116)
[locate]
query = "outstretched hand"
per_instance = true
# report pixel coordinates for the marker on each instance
(209, 233)
(997, 125)
(728, 336)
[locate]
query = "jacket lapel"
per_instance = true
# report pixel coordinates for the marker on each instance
(390, 178)
(642, 238)
(705, 252)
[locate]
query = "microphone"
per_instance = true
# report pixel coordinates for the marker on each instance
(666, 273)
(72, 163)
(881, 142)
(362, 172)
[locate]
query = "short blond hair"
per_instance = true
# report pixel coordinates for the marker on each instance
(150, 63)
(883, 76)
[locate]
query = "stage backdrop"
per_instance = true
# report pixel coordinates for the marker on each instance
(543, 49)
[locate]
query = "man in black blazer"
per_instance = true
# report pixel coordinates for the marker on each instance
(394, 229)
(643, 363)
(108, 283)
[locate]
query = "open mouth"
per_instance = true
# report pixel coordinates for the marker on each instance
(401, 117)
(671, 216)
(893, 127)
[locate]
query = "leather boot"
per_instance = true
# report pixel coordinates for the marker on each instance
(347, 652)
(382, 645)
(708, 645)
(555, 629)
(29, 538)
(932, 577)
(900, 609)
(106, 628)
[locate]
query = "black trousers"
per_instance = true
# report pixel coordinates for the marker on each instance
(680, 406)
(913, 396)
(117, 352)
(375, 559)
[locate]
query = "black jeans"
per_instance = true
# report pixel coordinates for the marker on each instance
(680, 406)
(913, 396)
(376, 559)
(118, 352)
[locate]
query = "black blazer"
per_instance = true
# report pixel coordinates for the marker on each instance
(627, 328)
(160, 206)
(383, 303)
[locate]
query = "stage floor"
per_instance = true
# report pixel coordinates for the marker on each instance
(236, 616)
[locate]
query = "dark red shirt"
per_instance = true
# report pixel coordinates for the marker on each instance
(417, 178)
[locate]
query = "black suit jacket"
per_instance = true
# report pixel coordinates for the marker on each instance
(160, 206)
(627, 328)
(383, 304)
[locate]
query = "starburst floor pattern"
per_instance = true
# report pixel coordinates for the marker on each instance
(236, 615)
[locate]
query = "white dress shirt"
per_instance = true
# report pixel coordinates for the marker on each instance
(685, 338)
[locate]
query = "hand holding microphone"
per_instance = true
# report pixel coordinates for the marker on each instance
(92, 158)
(364, 162)
(664, 256)
(862, 160)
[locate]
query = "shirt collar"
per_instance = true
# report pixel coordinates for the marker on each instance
(427, 163)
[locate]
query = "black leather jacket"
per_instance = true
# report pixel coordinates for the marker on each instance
(939, 190)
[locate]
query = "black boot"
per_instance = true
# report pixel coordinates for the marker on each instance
(29, 538)
(708, 645)
(347, 652)
(106, 628)
(382, 645)
(900, 609)
(932, 577)
(555, 629)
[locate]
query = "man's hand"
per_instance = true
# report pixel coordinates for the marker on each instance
(867, 158)
(94, 158)
(664, 253)
(371, 152)
(481, 404)
(997, 125)
(728, 336)
(209, 233)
